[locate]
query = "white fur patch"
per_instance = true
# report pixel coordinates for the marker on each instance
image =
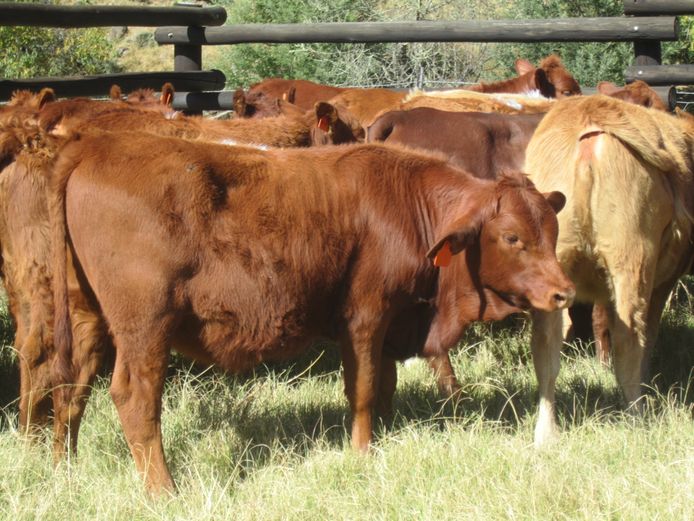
(233, 142)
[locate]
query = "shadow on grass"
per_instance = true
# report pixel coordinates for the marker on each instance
(9, 385)
(508, 401)
(672, 364)
(9, 371)
(505, 400)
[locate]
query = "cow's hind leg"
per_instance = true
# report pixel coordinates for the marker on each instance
(89, 340)
(136, 389)
(635, 334)
(601, 331)
(628, 335)
(35, 384)
(546, 347)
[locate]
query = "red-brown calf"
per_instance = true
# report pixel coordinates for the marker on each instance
(238, 255)
(551, 79)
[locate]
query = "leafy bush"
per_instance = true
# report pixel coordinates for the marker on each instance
(397, 64)
(35, 51)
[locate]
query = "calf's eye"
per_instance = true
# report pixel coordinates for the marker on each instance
(511, 238)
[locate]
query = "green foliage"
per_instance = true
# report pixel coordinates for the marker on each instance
(246, 64)
(397, 64)
(681, 51)
(588, 62)
(33, 51)
(426, 64)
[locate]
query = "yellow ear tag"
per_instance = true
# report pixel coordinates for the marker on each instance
(443, 256)
(324, 124)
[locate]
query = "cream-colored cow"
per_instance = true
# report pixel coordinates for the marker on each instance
(625, 233)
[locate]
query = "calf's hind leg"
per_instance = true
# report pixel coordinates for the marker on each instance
(35, 385)
(136, 389)
(89, 344)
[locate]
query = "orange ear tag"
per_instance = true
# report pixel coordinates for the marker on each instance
(443, 256)
(324, 124)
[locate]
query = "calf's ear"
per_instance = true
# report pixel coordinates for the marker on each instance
(326, 115)
(556, 200)
(455, 238)
(115, 93)
(523, 66)
(239, 102)
(607, 88)
(167, 94)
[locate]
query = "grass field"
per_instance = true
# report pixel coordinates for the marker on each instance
(274, 445)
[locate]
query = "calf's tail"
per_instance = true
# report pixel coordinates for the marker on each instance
(63, 368)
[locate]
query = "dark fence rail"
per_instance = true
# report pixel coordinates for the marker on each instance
(661, 74)
(99, 85)
(187, 28)
(649, 7)
(525, 31)
(41, 15)
(200, 101)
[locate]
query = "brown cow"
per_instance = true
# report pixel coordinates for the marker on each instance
(624, 237)
(483, 144)
(147, 97)
(638, 92)
(240, 255)
(23, 239)
(305, 93)
(457, 100)
(26, 157)
(279, 131)
(551, 79)
(259, 104)
(28, 100)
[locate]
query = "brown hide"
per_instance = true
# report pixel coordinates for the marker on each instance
(26, 158)
(365, 104)
(26, 269)
(335, 125)
(246, 255)
(551, 79)
(638, 92)
(279, 131)
(305, 93)
(82, 110)
(342, 126)
(482, 144)
(462, 100)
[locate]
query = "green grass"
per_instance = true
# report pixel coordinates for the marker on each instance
(274, 445)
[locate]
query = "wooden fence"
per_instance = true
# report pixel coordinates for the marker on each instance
(646, 23)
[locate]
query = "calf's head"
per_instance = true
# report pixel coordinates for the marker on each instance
(335, 125)
(551, 78)
(510, 246)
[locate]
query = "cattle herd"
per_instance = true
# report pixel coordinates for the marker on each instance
(385, 221)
